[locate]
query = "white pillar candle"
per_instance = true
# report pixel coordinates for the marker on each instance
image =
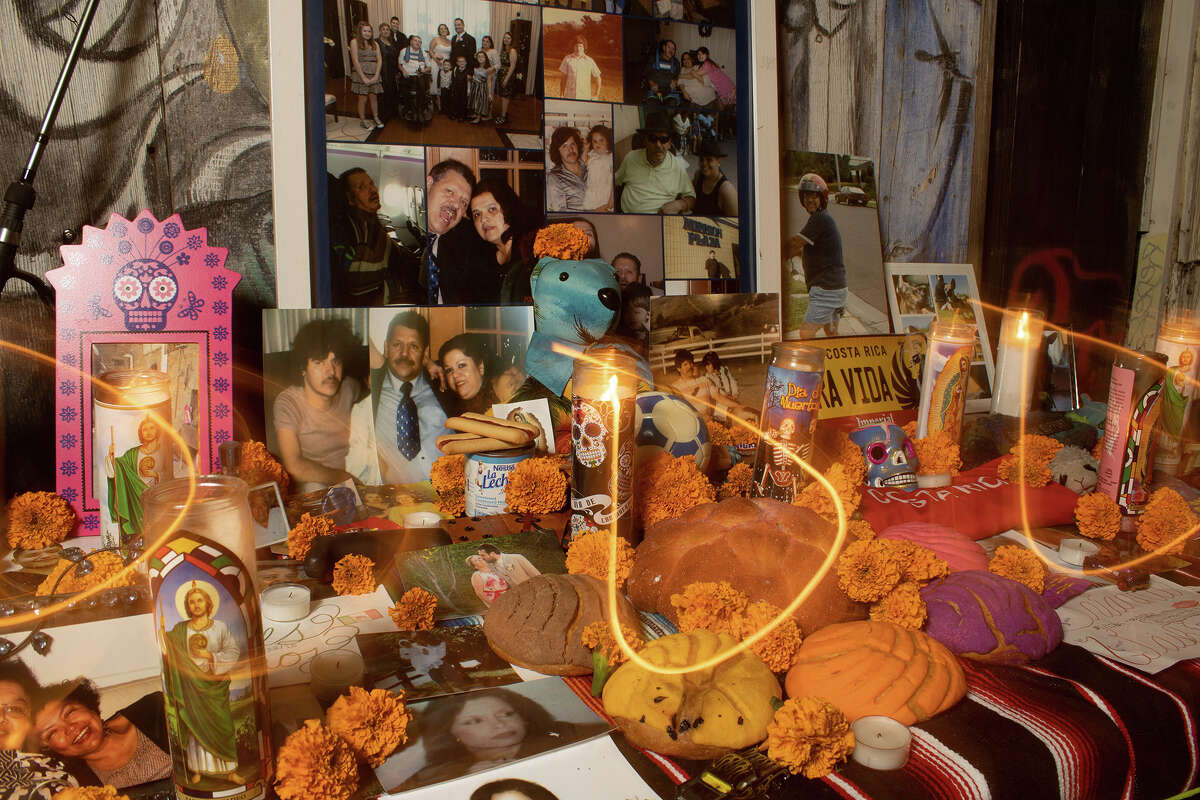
(1020, 341)
(334, 672)
(286, 602)
(1076, 551)
(880, 742)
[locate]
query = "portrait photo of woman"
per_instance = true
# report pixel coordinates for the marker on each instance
(508, 228)
(488, 585)
(24, 772)
(467, 371)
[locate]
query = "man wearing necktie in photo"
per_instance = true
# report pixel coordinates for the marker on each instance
(462, 44)
(454, 265)
(409, 416)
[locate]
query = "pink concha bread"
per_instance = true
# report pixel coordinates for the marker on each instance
(765, 548)
(957, 550)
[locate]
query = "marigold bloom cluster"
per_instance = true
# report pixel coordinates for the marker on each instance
(737, 481)
(778, 648)
(937, 453)
(1165, 523)
(667, 486)
(106, 569)
(536, 486)
(1097, 516)
(809, 736)
(588, 554)
(259, 466)
(301, 537)
(314, 763)
(104, 792)
(354, 574)
(867, 570)
(1023, 566)
(39, 519)
(598, 637)
(1028, 462)
(415, 611)
(711, 606)
(374, 723)
(902, 606)
(562, 241)
(815, 496)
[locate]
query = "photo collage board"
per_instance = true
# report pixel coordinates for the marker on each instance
(455, 129)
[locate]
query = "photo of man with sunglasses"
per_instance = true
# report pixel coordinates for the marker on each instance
(653, 179)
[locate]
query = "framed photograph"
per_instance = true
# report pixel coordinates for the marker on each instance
(427, 664)
(920, 293)
(268, 514)
(144, 371)
(701, 248)
(458, 735)
(583, 55)
(467, 577)
(579, 156)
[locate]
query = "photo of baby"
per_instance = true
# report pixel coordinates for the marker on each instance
(579, 157)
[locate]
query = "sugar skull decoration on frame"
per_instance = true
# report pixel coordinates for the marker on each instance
(143, 295)
(890, 456)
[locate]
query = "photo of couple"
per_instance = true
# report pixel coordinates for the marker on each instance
(469, 577)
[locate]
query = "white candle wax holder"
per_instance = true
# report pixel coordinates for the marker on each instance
(880, 742)
(286, 602)
(422, 519)
(334, 672)
(1020, 341)
(1076, 551)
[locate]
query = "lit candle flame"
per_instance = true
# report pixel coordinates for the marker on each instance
(1023, 326)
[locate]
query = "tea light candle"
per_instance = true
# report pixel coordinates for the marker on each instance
(422, 519)
(880, 742)
(1020, 340)
(334, 672)
(1076, 551)
(286, 602)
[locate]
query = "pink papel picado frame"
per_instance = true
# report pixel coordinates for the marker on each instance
(150, 287)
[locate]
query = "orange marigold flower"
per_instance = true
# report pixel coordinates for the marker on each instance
(737, 481)
(354, 574)
(563, 241)
(106, 571)
(1097, 516)
(104, 792)
(315, 763)
(778, 648)
(1165, 523)
(452, 503)
(415, 610)
(816, 497)
(536, 486)
(937, 453)
(668, 486)
(588, 555)
(902, 606)
(851, 457)
(711, 606)
(373, 723)
(809, 736)
(1023, 566)
(732, 435)
(448, 474)
(917, 562)
(867, 570)
(39, 519)
(300, 538)
(1034, 468)
(859, 529)
(259, 466)
(598, 637)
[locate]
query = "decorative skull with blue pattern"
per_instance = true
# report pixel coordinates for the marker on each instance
(891, 457)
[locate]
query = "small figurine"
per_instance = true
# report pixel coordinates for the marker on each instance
(891, 457)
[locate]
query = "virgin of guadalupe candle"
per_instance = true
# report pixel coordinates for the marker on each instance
(207, 619)
(130, 450)
(1179, 341)
(603, 395)
(944, 382)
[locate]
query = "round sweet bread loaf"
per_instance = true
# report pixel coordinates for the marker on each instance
(767, 549)
(538, 623)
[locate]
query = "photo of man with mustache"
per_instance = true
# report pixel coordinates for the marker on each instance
(312, 417)
(455, 264)
(409, 404)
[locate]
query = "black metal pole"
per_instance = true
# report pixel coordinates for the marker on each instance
(20, 196)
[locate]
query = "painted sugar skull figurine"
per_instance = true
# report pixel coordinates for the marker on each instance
(891, 457)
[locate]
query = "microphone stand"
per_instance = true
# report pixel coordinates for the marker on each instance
(20, 196)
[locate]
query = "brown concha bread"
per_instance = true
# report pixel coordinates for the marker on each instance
(538, 623)
(765, 548)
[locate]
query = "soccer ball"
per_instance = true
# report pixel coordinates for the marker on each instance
(665, 422)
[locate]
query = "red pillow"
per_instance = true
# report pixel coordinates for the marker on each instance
(977, 504)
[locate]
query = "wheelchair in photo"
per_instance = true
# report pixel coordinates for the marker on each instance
(416, 104)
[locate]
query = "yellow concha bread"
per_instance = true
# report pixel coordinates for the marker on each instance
(871, 667)
(699, 714)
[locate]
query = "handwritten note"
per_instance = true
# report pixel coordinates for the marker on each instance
(1150, 629)
(331, 625)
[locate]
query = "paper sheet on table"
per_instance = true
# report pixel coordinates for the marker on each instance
(332, 624)
(594, 768)
(1149, 629)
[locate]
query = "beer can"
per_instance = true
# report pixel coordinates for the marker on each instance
(944, 381)
(1134, 391)
(131, 451)
(603, 400)
(791, 401)
(487, 480)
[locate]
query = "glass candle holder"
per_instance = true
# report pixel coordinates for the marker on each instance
(603, 395)
(206, 615)
(1020, 342)
(945, 378)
